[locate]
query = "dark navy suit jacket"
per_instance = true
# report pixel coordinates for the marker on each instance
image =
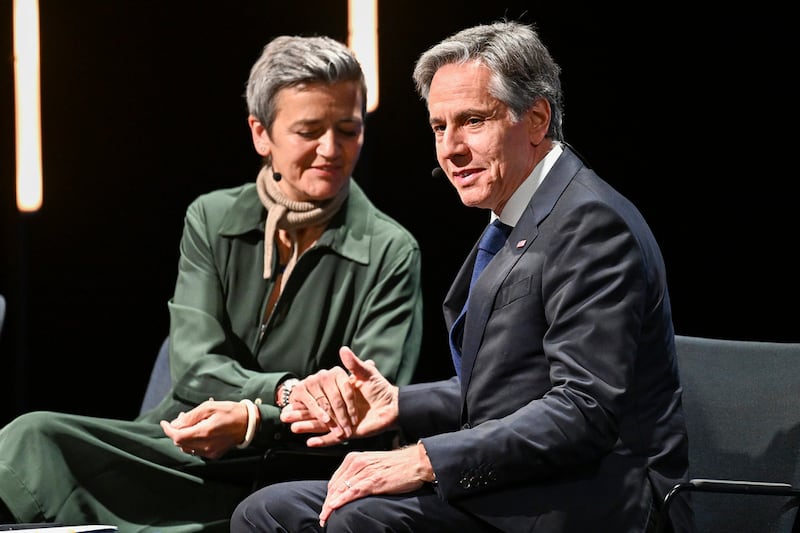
(568, 417)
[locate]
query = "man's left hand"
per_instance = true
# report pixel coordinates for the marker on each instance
(362, 474)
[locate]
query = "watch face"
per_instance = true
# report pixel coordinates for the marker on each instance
(288, 385)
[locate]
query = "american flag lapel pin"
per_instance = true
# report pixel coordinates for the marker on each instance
(521, 243)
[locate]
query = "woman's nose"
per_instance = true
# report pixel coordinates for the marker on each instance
(328, 144)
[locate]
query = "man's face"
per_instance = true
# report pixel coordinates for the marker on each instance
(483, 151)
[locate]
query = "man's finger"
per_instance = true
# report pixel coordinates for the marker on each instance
(360, 370)
(322, 441)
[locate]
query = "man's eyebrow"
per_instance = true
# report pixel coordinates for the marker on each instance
(461, 116)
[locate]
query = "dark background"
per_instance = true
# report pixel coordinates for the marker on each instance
(688, 113)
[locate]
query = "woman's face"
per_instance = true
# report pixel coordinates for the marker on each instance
(316, 138)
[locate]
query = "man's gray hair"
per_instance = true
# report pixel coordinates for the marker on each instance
(522, 69)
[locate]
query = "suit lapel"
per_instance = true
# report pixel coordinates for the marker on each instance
(520, 239)
(484, 295)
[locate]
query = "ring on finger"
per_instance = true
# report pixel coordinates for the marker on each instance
(347, 484)
(322, 401)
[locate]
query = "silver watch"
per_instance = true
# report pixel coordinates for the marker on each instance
(287, 385)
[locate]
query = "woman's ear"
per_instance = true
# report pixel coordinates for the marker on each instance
(261, 140)
(538, 118)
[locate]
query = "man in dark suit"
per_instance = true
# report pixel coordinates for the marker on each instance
(565, 413)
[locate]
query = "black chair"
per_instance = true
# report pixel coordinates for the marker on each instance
(160, 380)
(2, 312)
(742, 406)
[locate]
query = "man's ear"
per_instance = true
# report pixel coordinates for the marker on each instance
(261, 140)
(538, 119)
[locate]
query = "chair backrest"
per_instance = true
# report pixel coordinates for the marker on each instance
(2, 312)
(160, 379)
(742, 406)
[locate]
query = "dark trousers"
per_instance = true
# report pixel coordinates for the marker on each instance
(294, 507)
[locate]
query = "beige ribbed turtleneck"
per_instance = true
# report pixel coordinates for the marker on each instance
(290, 216)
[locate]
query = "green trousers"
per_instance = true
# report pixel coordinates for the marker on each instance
(72, 469)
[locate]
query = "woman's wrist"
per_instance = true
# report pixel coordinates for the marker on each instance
(284, 392)
(252, 423)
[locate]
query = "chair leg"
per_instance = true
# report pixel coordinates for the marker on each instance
(5, 514)
(258, 478)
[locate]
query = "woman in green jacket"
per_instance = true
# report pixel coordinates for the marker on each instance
(273, 278)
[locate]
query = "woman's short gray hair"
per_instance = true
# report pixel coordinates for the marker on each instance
(289, 61)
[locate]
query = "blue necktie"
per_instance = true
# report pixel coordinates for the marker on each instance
(492, 240)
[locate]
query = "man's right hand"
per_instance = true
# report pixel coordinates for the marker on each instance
(340, 406)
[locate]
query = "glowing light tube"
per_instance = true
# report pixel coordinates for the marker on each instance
(27, 105)
(362, 25)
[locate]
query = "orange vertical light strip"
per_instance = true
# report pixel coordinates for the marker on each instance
(362, 26)
(27, 105)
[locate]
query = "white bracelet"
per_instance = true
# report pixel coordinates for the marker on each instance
(251, 423)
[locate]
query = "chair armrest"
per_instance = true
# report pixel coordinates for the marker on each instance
(729, 486)
(742, 487)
